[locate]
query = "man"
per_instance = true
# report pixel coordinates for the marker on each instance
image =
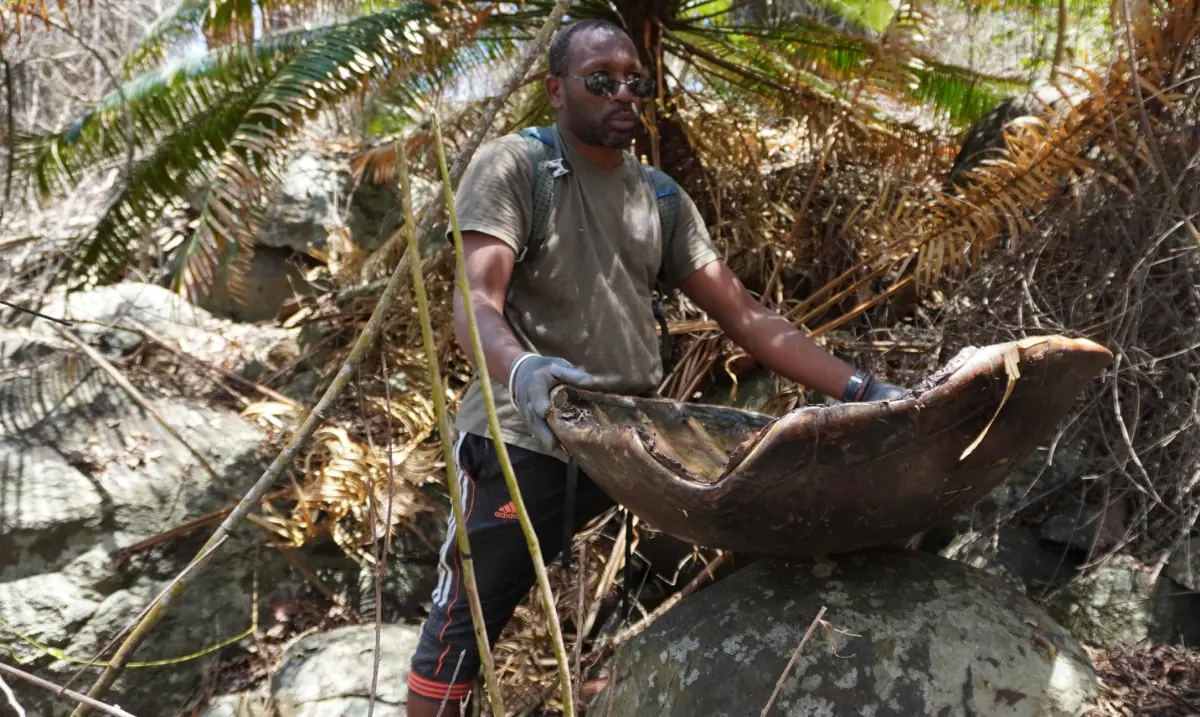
(576, 312)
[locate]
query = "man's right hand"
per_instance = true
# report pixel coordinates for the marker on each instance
(530, 379)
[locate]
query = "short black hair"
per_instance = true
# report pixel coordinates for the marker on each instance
(562, 40)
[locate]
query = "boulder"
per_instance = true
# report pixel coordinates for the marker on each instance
(318, 195)
(905, 633)
(164, 313)
(1184, 565)
(85, 473)
(1110, 606)
(328, 674)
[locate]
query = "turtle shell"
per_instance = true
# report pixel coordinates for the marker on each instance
(831, 478)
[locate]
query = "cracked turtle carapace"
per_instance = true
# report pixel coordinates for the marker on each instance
(824, 479)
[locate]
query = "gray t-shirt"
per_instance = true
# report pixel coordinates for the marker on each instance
(585, 294)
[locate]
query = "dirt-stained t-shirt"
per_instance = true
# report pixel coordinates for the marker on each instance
(585, 295)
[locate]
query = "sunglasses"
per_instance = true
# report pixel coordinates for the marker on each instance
(608, 86)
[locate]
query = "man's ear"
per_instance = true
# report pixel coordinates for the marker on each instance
(554, 90)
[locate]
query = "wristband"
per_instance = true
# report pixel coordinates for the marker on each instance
(857, 387)
(512, 372)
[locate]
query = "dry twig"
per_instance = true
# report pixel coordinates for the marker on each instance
(71, 694)
(795, 654)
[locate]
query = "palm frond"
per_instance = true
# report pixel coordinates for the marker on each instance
(181, 161)
(180, 22)
(830, 60)
(160, 102)
(385, 48)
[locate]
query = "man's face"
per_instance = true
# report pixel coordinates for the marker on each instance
(604, 121)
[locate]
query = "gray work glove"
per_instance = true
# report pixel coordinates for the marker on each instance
(530, 380)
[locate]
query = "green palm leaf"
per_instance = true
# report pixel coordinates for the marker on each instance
(957, 94)
(160, 102)
(181, 22)
(386, 47)
(181, 161)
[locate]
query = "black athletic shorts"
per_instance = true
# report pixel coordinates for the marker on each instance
(446, 661)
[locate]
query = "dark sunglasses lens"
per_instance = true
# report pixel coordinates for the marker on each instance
(642, 87)
(602, 85)
(609, 86)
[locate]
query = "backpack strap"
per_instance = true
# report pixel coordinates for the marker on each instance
(548, 162)
(666, 196)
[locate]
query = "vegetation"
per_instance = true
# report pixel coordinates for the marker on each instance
(827, 145)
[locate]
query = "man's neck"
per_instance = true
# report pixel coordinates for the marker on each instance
(607, 157)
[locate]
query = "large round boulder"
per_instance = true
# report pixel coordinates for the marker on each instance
(905, 634)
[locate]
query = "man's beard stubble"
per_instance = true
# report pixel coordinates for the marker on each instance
(595, 133)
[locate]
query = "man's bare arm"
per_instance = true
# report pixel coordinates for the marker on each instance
(489, 270)
(763, 333)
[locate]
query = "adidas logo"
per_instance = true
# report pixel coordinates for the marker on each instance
(507, 512)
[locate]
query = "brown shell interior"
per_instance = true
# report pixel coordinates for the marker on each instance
(693, 440)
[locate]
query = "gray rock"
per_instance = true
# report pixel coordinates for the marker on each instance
(1184, 566)
(86, 472)
(242, 704)
(318, 196)
(1014, 554)
(1175, 614)
(1110, 606)
(915, 635)
(170, 316)
(328, 674)
(49, 511)
(1082, 526)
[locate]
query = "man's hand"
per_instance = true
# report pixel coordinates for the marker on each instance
(530, 379)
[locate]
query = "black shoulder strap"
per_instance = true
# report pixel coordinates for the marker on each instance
(548, 164)
(666, 195)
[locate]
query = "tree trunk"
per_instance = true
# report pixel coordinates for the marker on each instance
(672, 152)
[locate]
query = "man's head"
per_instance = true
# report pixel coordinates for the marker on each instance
(589, 60)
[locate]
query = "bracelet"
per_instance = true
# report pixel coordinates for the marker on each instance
(512, 369)
(857, 387)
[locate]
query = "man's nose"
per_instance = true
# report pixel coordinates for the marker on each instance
(623, 94)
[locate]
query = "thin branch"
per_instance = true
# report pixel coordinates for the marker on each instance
(489, 400)
(31, 312)
(12, 699)
(439, 403)
(1151, 140)
(370, 334)
(795, 654)
(381, 561)
(141, 329)
(46, 684)
(10, 124)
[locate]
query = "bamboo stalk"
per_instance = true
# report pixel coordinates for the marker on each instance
(439, 407)
(485, 383)
(366, 339)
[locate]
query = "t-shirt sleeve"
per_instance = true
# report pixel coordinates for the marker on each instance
(691, 248)
(495, 194)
